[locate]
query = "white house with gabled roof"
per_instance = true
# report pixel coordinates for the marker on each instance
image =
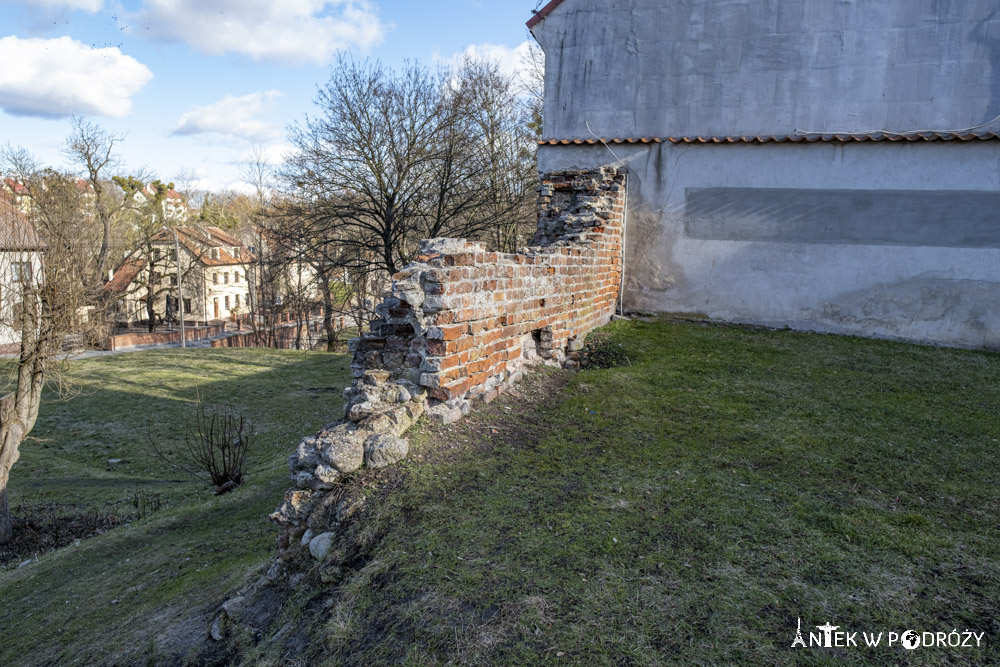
(215, 272)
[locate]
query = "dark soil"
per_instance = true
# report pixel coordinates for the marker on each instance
(42, 527)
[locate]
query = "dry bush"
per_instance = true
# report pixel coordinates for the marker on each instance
(215, 447)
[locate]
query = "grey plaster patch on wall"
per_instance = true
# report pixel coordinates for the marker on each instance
(649, 253)
(855, 217)
(946, 309)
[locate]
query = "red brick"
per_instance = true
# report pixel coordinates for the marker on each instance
(454, 331)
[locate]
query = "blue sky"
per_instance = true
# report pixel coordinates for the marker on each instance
(194, 84)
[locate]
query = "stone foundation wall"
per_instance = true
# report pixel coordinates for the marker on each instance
(462, 323)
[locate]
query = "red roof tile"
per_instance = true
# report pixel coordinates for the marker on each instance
(16, 187)
(125, 274)
(200, 241)
(787, 138)
(223, 236)
(592, 142)
(840, 138)
(542, 13)
(16, 231)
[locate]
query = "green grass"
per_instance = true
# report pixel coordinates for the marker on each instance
(119, 401)
(689, 508)
(143, 590)
(685, 509)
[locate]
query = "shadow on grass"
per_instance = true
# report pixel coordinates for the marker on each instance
(145, 590)
(149, 586)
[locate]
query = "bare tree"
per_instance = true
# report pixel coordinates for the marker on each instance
(367, 160)
(532, 80)
(506, 171)
(303, 254)
(255, 228)
(363, 287)
(91, 149)
(395, 157)
(52, 264)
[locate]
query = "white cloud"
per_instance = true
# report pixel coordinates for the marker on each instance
(84, 5)
(511, 61)
(295, 31)
(273, 154)
(61, 77)
(234, 116)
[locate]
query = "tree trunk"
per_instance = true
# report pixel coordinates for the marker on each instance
(19, 409)
(150, 313)
(331, 333)
(11, 434)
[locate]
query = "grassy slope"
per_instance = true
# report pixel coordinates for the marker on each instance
(690, 508)
(148, 584)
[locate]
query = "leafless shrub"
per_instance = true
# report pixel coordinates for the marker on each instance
(215, 447)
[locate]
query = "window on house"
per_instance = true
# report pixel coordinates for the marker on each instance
(156, 254)
(173, 280)
(21, 272)
(187, 305)
(225, 277)
(227, 303)
(215, 253)
(236, 277)
(237, 300)
(215, 278)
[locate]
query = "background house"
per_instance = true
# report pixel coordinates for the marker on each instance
(168, 205)
(821, 165)
(20, 260)
(215, 272)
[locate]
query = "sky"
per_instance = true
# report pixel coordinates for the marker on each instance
(194, 86)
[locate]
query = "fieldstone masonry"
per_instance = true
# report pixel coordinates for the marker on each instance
(461, 325)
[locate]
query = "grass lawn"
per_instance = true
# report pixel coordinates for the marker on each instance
(688, 509)
(685, 509)
(146, 587)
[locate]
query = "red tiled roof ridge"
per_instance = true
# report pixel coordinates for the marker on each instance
(542, 13)
(592, 142)
(16, 230)
(193, 237)
(841, 137)
(785, 138)
(199, 234)
(223, 235)
(123, 276)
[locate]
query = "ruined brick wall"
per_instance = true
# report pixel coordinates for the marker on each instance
(462, 321)
(460, 325)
